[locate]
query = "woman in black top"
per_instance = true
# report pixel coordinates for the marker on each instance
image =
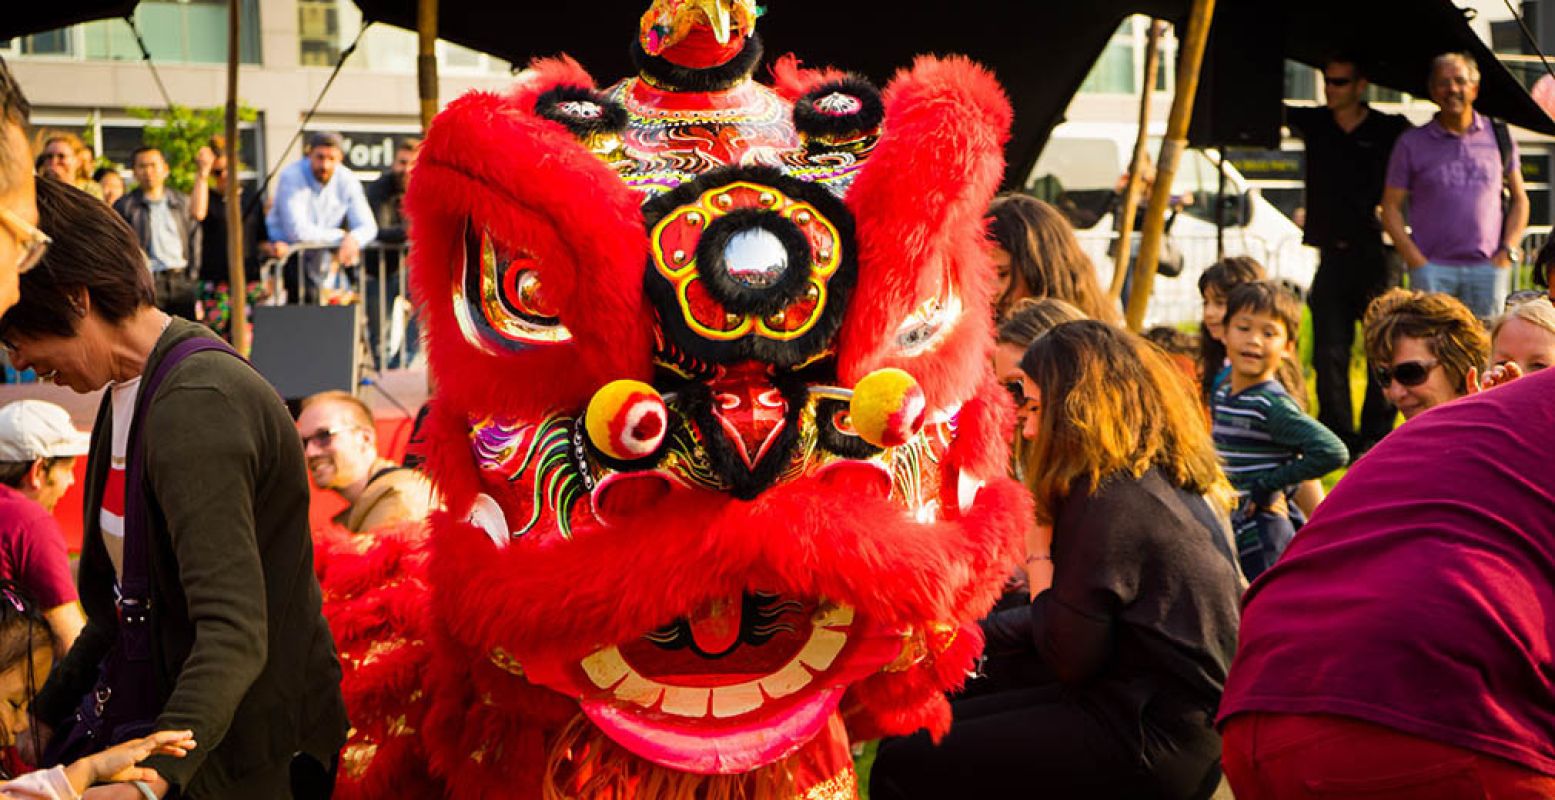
(1133, 619)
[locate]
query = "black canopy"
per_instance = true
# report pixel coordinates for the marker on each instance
(1040, 49)
(24, 18)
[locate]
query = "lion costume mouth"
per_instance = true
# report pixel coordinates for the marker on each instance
(737, 685)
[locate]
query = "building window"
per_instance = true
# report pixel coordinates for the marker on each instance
(1115, 72)
(1300, 82)
(326, 27)
(176, 32)
(318, 33)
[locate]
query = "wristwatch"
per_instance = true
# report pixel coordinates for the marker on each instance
(1515, 253)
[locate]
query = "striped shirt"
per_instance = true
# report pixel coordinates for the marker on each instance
(1266, 443)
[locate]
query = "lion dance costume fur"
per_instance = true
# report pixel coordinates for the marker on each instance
(721, 451)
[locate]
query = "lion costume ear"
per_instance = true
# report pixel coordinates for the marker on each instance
(528, 253)
(925, 280)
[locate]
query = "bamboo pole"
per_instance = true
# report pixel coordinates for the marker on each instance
(426, 60)
(1190, 59)
(1122, 248)
(237, 280)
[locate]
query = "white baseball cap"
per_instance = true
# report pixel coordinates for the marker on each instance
(34, 429)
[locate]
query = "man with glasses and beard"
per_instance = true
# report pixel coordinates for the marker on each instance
(1347, 143)
(21, 243)
(340, 442)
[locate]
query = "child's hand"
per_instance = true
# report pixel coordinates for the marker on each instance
(1499, 375)
(119, 763)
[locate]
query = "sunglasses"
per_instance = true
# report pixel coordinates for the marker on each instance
(1017, 392)
(1521, 296)
(325, 436)
(1330, 81)
(1407, 373)
(32, 241)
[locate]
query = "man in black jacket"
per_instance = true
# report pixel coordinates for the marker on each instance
(1348, 143)
(167, 223)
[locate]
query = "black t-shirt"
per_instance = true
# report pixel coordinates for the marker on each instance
(213, 261)
(1344, 172)
(1144, 602)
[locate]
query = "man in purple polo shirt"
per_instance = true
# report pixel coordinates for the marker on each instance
(1450, 173)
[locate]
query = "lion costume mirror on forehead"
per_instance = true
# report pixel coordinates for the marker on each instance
(722, 454)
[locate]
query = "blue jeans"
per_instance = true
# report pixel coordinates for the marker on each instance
(1481, 287)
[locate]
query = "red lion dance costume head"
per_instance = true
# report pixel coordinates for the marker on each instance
(721, 451)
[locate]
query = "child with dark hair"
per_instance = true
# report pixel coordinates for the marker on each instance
(1215, 285)
(1264, 439)
(26, 656)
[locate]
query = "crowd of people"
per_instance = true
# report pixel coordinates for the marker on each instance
(1392, 643)
(315, 229)
(1190, 606)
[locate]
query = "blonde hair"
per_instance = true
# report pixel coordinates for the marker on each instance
(1112, 403)
(1538, 311)
(359, 411)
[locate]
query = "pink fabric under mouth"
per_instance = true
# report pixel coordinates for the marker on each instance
(765, 738)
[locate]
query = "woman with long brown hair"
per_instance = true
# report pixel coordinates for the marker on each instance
(1038, 256)
(1134, 595)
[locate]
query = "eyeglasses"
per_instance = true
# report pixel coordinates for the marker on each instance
(1407, 373)
(1521, 296)
(1329, 80)
(326, 436)
(32, 241)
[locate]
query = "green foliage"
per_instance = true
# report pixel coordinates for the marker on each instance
(179, 132)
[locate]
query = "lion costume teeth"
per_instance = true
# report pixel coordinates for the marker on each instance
(681, 556)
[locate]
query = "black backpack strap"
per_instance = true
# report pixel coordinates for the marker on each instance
(1503, 146)
(135, 583)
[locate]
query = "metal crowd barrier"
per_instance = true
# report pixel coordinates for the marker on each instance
(1533, 239)
(1176, 299)
(309, 275)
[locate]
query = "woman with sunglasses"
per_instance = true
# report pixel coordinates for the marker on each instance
(1027, 319)
(1135, 585)
(1424, 349)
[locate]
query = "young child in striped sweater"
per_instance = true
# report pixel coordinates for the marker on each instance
(1264, 439)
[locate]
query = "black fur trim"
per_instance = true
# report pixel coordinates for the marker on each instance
(667, 75)
(814, 122)
(737, 297)
(843, 444)
(777, 353)
(611, 119)
(743, 483)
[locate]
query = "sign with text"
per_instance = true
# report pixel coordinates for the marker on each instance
(369, 151)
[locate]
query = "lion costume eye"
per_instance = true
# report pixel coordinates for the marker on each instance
(499, 300)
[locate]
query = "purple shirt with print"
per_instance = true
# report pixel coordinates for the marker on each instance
(1454, 185)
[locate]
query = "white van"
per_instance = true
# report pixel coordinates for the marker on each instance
(1081, 171)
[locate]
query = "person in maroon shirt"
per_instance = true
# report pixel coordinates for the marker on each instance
(38, 450)
(1403, 646)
